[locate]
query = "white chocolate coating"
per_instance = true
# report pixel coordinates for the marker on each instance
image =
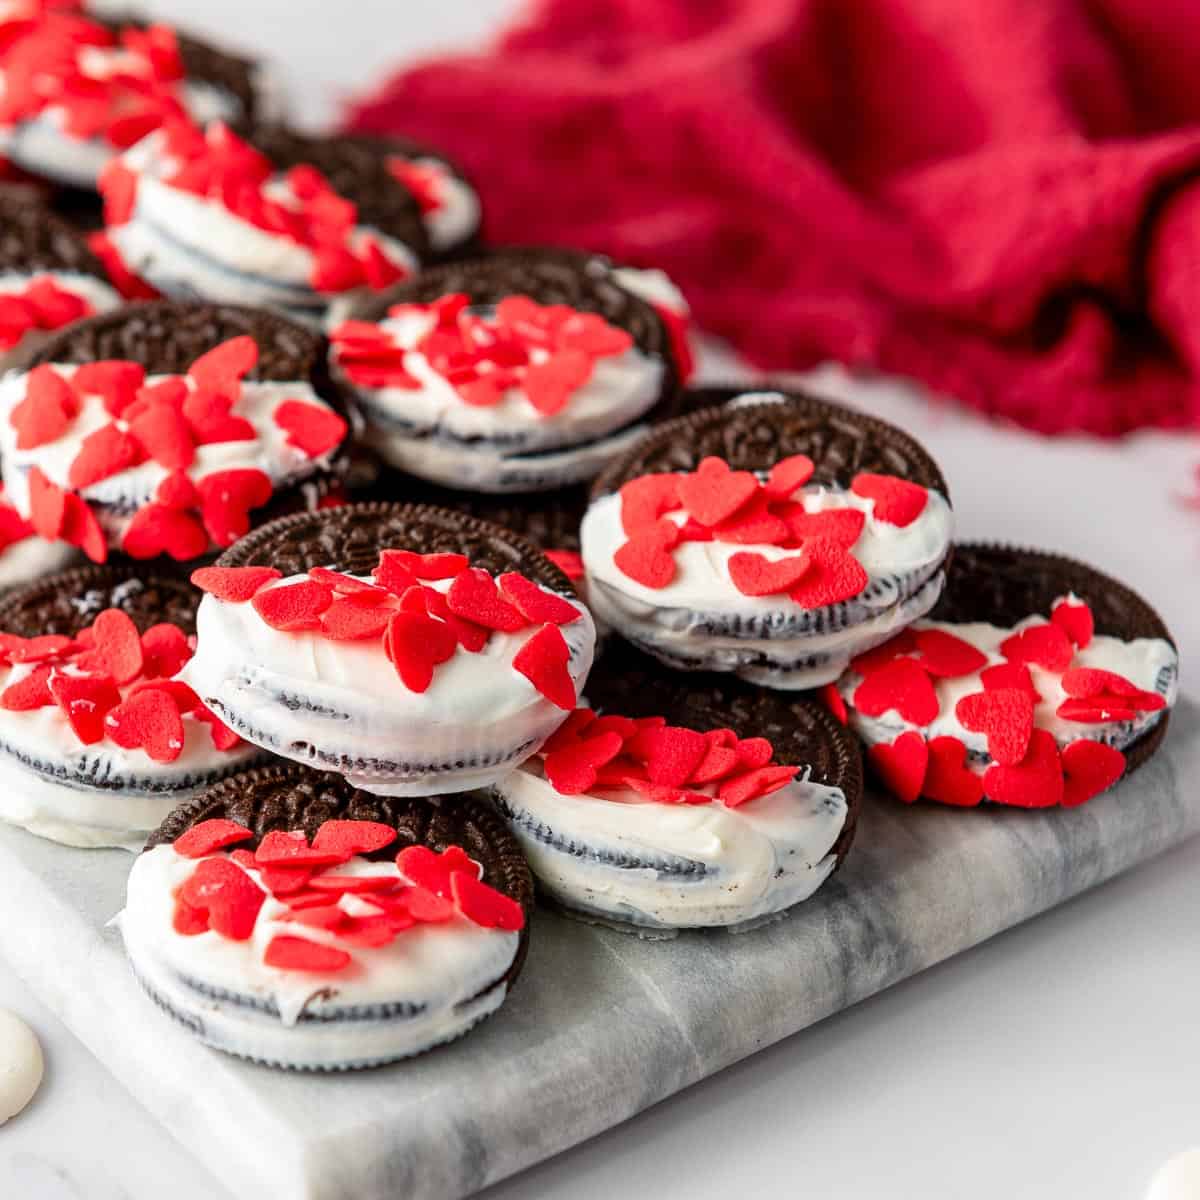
(21, 1064)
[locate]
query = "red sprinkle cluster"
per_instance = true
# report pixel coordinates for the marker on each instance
(218, 165)
(42, 304)
(225, 892)
(1027, 770)
(724, 505)
(43, 50)
(112, 682)
(165, 422)
(424, 180)
(419, 626)
(548, 351)
(665, 763)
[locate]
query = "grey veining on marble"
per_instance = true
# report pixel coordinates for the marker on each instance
(600, 1025)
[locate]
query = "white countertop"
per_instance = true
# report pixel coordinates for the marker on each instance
(1057, 1061)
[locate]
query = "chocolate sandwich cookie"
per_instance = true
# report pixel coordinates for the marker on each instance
(1036, 681)
(48, 276)
(414, 650)
(683, 802)
(522, 371)
(775, 537)
(98, 739)
(79, 89)
(282, 220)
(289, 918)
(167, 428)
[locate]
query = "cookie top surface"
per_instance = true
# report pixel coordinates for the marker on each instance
(288, 797)
(350, 539)
(802, 731)
(67, 602)
(758, 433)
(34, 239)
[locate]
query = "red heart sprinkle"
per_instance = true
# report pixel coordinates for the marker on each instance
(720, 758)
(148, 720)
(221, 369)
(1043, 645)
(1037, 782)
(1009, 675)
(290, 848)
(754, 575)
(1085, 683)
(714, 492)
(230, 897)
(299, 954)
(208, 414)
(393, 574)
(949, 780)
(116, 381)
(1096, 710)
(347, 621)
(353, 884)
(569, 562)
(947, 656)
(646, 558)
(226, 499)
(592, 334)
(832, 699)
(30, 692)
(1075, 619)
(234, 585)
(206, 837)
(345, 584)
(314, 431)
(171, 393)
(753, 525)
(47, 505)
(671, 753)
(835, 575)
(223, 738)
(48, 410)
(118, 185)
(116, 647)
(787, 475)
(1090, 768)
(570, 731)
(901, 686)
(535, 603)
(841, 525)
(176, 490)
(36, 649)
(1005, 715)
(156, 529)
(754, 752)
(187, 920)
(896, 501)
(901, 766)
(427, 908)
(283, 880)
(484, 905)
(166, 437)
(82, 528)
(319, 916)
(471, 637)
(371, 931)
(425, 868)
(353, 837)
(105, 452)
(661, 793)
(753, 785)
(645, 499)
(86, 701)
(474, 595)
(415, 645)
(572, 769)
(293, 606)
(429, 566)
(543, 661)
(549, 384)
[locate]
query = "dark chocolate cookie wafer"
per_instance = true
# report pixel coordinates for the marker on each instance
(393, 925)
(203, 419)
(1037, 680)
(773, 536)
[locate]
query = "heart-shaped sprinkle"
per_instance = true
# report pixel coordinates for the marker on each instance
(1042, 645)
(901, 765)
(47, 505)
(714, 492)
(284, 880)
(416, 644)
(290, 848)
(221, 369)
(105, 452)
(345, 620)
(48, 410)
(82, 528)
(170, 393)
(1075, 619)
(115, 381)
(16, 649)
(536, 604)
(753, 785)
(571, 730)
(226, 498)
(227, 894)
(661, 793)
(752, 525)
(148, 720)
(353, 884)
(895, 501)
(572, 769)
(1037, 782)
(835, 576)
(118, 185)
(948, 779)
(754, 752)
(841, 525)
(353, 837)
(30, 692)
(548, 385)
(720, 757)
(207, 837)
(1085, 683)
(188, 921)
(156, 529)
(671, 753)
(319, 916)
(592, 334)
(86, 701)
(234, 585)
(347, 585)
(947, 656)
(425, 868)
(1005, 715)
(176, 490)
(116, 647)
(432, 566)
(299, 954)
(471, 637)
(645, 499)
(569, 562)
(166, 437)
(293, 606)
(484, 905)
(1009, 675)
(1090, 768)
(646, 558)
(900, 686)
(1097, 710)
(209, 417)
(313, 431)
(902, 645)
(543, 661)
(754, 575)
(787, 475)
(832, 699)
(474, 595)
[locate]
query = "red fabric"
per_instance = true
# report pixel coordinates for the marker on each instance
(998, 197)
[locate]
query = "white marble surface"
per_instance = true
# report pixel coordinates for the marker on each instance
(1057, 1060)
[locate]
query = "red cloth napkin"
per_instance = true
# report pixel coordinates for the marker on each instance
(998, 197)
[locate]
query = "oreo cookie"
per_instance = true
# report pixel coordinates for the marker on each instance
(281, 219)
(1036, 681)
(79, 89)
(48, 276)
(98, 740)
(521, 371)
(414, 650)
(166, 428)
(774, 537)
(341, 930)
(685, 802)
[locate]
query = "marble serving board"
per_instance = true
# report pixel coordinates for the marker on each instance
(601, 1025)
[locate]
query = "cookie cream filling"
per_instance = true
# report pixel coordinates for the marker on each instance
(340, 705)
(674, 866)
(1151, 664)
(429, 985)
(700, 620)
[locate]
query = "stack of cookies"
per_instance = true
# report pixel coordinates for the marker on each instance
(367, 580)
